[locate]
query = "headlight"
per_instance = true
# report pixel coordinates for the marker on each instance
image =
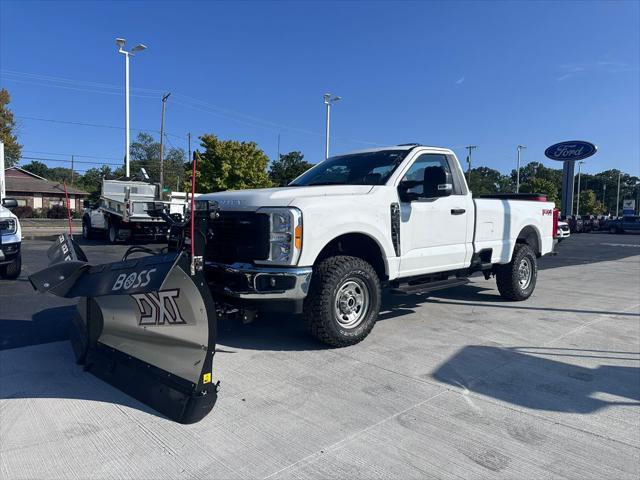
(8, 226)
(285, 235)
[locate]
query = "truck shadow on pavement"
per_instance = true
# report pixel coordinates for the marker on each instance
(475, 296)
(522, 376)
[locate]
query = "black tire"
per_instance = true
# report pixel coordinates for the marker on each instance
(613, 230)
(87, 231)
(337, 281)
(112, 233)
(517, 281)
(12, 270)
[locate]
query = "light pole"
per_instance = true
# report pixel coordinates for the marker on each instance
(604, 196)
(127, 141)
(618, 195)
(520, 147)
(578, 202)
(470, 148)
(164, 104)
(328, 100)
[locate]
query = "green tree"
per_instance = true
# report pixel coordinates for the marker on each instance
(38, 168)
(288, 167)
(145, 153)
(485, 180)
(541, 185)
(588, 204)
(91, 181)
(12, 149)
(230, 165)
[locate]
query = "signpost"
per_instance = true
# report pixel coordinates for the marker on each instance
(628, 207)
(568, 153)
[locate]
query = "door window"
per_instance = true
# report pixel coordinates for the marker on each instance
(416, 171)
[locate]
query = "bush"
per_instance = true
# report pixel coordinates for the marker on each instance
(40, 213)
(23, 212)
(57, 211)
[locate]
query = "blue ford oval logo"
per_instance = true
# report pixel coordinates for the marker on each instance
(571, 151)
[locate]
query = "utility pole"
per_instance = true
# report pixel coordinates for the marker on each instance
(618, 195)
(72, 161)
(278, 157)
(164, 105)
(127, 140)
(328, 100)
(189, 137)
(578, 202)
(470, 148)
(520, 147)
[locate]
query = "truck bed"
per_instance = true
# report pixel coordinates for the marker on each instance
(499, 222)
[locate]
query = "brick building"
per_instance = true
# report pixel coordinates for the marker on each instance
(37, 192)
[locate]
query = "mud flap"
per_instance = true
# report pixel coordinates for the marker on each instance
(147, 326)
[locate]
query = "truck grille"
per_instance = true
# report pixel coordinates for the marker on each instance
(238, 237)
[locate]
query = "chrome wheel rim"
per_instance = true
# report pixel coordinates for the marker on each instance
(351, 303)
(525, 272)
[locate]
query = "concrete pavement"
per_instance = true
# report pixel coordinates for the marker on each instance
(459, 385)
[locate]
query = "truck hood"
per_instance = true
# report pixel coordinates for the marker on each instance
(253, 199)
(6, 213)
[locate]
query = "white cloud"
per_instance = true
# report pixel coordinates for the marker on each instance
(460, 81)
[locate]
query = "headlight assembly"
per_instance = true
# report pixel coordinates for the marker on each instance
(8, 226)
(285, 235)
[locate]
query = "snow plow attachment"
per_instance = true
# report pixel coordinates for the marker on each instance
(145, 325)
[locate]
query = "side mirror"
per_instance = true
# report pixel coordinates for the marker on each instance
(437, 183)
(9, 203)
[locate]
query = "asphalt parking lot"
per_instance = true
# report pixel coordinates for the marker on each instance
(458, 385)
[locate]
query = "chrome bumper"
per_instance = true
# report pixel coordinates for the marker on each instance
(249, 282)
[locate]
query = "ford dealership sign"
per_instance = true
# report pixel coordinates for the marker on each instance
(571, 151)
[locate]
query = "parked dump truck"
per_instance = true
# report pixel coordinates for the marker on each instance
(121, 214)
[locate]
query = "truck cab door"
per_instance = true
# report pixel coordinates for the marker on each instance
(435, 228)
(97, 218)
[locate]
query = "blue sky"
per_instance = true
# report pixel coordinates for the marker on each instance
(493, 74)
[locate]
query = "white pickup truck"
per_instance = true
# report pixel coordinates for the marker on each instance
(399, 217)
(10, 240)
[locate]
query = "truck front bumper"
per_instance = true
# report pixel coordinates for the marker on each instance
(9, 252)
(263, 288)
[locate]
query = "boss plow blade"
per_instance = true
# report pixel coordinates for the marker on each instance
(146, 325)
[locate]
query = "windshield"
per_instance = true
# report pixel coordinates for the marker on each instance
(371, 168)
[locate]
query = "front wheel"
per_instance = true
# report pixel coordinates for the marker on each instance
(86, 229)
(517, 279)
(13, 269)
(343, 302)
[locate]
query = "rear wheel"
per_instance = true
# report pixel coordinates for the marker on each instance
(517, 279)
(613, 230)
(112, 233)
(343, 302)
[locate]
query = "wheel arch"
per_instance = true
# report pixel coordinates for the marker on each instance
(530, 236)
(358, 245)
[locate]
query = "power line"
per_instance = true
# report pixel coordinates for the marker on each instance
(70, 154)
(96, 125)
(188, 102)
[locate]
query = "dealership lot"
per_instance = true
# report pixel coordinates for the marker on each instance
(460, 384)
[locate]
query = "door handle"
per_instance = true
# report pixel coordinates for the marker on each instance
(457, 211)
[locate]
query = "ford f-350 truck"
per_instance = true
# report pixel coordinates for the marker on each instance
(400, 217)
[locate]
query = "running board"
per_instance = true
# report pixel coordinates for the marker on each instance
(429, 286)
